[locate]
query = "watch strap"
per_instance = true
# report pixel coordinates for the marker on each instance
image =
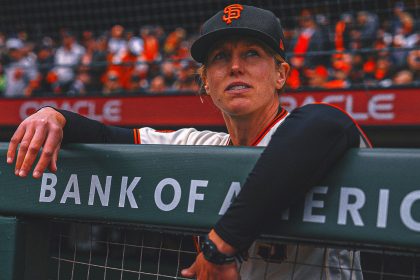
(213, 255)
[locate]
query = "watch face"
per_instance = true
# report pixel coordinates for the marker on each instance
(209, 250)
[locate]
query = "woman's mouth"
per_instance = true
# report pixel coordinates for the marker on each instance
(237, 87)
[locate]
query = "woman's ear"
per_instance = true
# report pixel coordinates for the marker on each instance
(206, 87)
(282, 74)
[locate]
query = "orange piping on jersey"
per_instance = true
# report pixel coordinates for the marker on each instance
(137, 139)
(135, 136)
(281, 115)
(357, 125)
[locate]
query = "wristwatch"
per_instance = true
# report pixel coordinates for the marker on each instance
(212, 254)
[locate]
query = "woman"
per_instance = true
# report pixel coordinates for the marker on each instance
(244, 70)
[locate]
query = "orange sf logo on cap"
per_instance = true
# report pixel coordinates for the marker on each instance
(232, 12)
(281, 45)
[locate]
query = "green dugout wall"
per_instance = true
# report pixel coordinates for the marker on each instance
(371, 198)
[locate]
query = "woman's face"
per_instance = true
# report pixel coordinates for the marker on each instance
(242, 78)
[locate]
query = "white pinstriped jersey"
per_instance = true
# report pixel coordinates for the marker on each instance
(302, 262)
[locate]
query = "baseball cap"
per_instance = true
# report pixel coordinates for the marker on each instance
(14, 43)
(237, 19)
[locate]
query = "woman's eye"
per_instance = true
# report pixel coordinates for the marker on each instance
(219, 56)
(252, 53)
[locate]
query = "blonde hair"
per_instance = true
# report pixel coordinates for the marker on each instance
(278, 59)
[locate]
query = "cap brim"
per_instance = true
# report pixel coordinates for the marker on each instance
(202, 45)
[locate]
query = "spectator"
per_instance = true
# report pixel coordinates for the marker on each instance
(158, 85)
(403, 77)
(142, 72)
(66, 60)
(341, 66)
(383, 71)
(87, 38)
(343, 30)
(151, 52)
(413, 62)
(310, 39)
(169, 73)
(111, 85)
(317, 76)
(324, 26)
(396, 23)
(367, 27)
(174, 47)
(357, 74)
(45, 62)
(117, 41)
(81, 85)
(134, 85)
(130, 58)
(187, 80)
(98, 64)
(20, 71)
(405, 37)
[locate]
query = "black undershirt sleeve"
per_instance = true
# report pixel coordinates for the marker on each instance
(79, 129)
(301, 152)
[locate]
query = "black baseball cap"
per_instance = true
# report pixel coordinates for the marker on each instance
(237, 19)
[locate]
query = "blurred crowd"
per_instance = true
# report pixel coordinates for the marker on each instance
(358, 49)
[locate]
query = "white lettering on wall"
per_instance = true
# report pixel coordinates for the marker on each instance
(194, 195)
(95, 187)
(158, 194)
(128, 192)
(233, 192)
(72, 190)
(310, 203)
(405, 211)
(381, 222)
(48, 183)
(110, 111)
(381, 106)
(345, 207)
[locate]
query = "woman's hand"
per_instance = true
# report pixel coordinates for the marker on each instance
(205, 270)
(202, 269)
(42, 129)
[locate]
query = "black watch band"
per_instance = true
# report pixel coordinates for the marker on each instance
(213, 255)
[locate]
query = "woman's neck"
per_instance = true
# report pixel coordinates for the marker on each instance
(244, 130)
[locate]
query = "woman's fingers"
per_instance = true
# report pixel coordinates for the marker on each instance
(14, 142)
(53, 163)
(49, 153)
(23, 149)
(32, 152)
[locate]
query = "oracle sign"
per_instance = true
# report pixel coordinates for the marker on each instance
(368, 107)
(379, 106)
(109, 111)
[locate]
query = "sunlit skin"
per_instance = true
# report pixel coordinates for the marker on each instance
(243, 79)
